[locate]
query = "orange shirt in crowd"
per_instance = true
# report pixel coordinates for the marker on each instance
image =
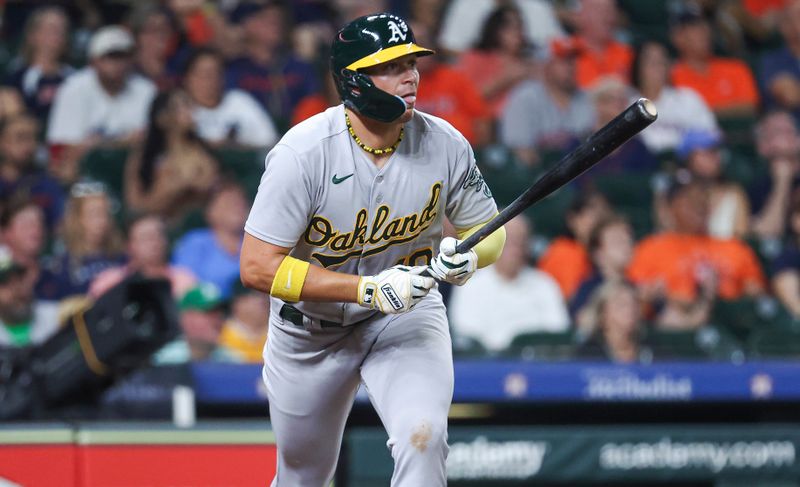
(568, 262)
(726, 83)
(615, 59)
(481, 68)
(308, 106)
(449, 94)
(677, 261)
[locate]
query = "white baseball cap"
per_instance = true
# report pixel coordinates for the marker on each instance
(111, 38)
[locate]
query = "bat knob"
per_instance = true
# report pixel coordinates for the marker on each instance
(648, 107)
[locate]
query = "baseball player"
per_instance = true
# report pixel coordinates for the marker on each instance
(344, 235)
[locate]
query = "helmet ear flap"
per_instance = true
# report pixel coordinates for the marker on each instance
(359, 93)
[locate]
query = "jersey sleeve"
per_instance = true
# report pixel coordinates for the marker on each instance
(284, 200)
(469, 200)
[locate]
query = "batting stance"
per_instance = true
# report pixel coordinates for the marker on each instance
(347, 217)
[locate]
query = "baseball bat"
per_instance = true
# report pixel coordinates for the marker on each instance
(600, 144)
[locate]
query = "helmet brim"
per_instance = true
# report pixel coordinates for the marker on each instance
(388, 54)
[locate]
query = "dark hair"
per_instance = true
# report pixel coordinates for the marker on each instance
(142, 12)
(596, 234)
(196, 55)
(135, 218)
(494, 24)
(155, 142)
(14, 205)
(636, 65)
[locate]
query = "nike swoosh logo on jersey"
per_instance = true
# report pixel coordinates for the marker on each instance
(336, 180)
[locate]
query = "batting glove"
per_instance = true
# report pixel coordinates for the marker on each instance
(451, 267)
(395, 290)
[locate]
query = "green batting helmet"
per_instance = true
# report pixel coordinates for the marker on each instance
(364, 42)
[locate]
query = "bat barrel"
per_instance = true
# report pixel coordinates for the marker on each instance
(616, 132)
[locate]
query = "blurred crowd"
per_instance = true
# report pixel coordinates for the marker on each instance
(693, 226)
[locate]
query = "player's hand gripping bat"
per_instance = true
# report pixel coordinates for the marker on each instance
(600, 144)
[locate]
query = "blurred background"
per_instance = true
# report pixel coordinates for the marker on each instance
(642, 326)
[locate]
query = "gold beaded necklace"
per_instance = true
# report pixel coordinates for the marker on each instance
(365, 147)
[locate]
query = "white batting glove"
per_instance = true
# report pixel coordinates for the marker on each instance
(451, 267)
(395, 290)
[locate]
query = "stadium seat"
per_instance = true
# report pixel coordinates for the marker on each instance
(243, 165)
(774, 342)
(542, 346)
(742, 316)
(468, 347)
(707, 342)
(106, 165)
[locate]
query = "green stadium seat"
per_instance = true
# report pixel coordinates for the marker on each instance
(106, 165)
(542, 346)
(739, 131)
(468, 347)
(648, 19)
(243, 165)
(742, 316)
(707, 342)
(774, 342)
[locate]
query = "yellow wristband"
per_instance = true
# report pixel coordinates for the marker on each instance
(288, 282)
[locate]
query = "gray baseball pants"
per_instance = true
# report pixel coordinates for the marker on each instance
(312, 374)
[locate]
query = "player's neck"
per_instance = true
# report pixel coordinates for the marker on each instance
(374, 133)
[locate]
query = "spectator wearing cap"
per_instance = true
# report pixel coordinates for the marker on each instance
(268, 70)
(595, 23)
(449, 94)
(778, 144)
(500, 60)
(779, 70)
(691, 267)
(23, 320)
(729, 208)
(202, 315)
(679, 108)
(726, 84)
(551, 113)
(245, 331)
(104, 103)
(41, 69)
(147, 252)
(19, 172)
(89, 243)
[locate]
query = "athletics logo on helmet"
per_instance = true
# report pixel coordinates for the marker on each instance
(369, 41)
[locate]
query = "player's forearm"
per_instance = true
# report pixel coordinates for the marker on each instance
(269, 269)
(488, 249)
(325, 285)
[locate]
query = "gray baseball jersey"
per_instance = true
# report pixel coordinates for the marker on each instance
(323, 197)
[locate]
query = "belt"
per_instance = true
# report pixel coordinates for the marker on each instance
(294, 316)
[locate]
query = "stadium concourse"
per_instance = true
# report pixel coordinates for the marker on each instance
(642, 326)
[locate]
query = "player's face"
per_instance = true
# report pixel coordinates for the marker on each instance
(398, 77)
